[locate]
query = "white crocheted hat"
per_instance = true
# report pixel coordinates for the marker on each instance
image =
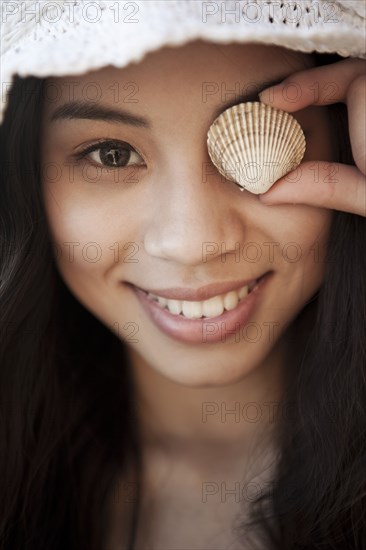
(62, 37)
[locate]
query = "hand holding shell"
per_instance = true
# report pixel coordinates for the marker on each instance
(341, 186)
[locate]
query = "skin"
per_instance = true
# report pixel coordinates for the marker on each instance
(341, 82)
(169, 212)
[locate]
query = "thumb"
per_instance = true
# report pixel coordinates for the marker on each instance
(321, 184)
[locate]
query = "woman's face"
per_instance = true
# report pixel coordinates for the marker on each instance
(149, 211)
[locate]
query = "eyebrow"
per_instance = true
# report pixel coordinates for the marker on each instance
(249, 96)
(88, 111)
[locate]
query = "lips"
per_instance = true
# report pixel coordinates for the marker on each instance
(212, 307)
(200, 294)
(204, 329)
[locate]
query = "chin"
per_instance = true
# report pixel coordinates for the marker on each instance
(217, 365)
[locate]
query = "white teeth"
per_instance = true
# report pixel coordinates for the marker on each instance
(192, 310)
(162, 301)
(175, 306)
(231, 300)
(243, 292)
(213, 307)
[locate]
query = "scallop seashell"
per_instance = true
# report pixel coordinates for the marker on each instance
(254, 145)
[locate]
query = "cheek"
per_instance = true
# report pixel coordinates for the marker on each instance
(299, 239)
(89, 230)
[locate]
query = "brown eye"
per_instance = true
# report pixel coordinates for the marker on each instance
(112, 155)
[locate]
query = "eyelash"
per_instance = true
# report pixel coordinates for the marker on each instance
(108, 144)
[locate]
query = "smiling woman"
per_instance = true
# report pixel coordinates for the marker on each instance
(191, 235)
(181, 364)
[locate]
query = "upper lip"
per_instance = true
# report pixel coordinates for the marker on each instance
(199, 294)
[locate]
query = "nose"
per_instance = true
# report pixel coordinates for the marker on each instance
(194, 218)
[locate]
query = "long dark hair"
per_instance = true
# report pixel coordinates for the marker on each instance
(68, 426)
(67, 420)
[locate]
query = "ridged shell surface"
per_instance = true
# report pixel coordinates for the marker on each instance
(254, 145)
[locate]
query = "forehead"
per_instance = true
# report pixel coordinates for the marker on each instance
(191, 66)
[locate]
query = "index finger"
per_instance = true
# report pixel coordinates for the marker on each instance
(317, 86)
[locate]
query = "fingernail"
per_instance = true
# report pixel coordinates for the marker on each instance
(268, 95)
(264, 96)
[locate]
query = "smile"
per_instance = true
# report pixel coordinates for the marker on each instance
(213, 307)
(189, 315)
